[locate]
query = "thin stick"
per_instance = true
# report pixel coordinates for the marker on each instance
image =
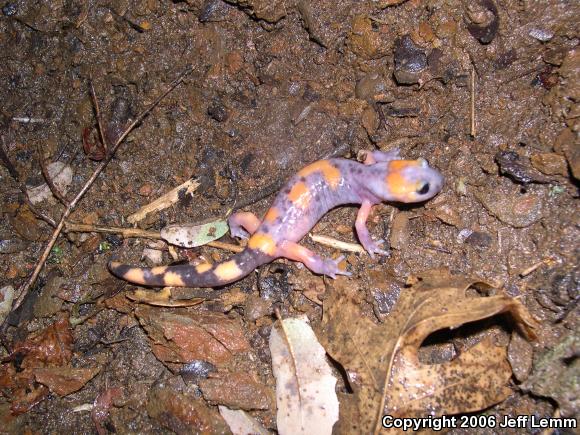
(472, 101)
(136, 232)
(26, 287)
(338, 244)
(98, 114)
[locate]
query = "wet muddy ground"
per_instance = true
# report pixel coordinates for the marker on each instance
(486, 91)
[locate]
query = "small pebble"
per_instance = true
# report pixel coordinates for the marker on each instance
(541, 35)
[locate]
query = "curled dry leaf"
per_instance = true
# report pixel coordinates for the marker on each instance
(189, 236)
(382, 362)
(241, 423)
(307, 401)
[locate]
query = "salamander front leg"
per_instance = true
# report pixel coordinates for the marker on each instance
(362, 231)
(243, 224)
(314, 262)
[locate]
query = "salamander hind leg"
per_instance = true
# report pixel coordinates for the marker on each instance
(243, 224)
(317, 264)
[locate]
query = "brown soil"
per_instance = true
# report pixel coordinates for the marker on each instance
(276, 85)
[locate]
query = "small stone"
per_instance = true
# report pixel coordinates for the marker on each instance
(146, 190)
(370, 120)
(218, 112)
(234, 62)
(550, 164)
(541, 35)
(410, 61)
(517, 210)
(479, 239)
(518, 168)
(446, 29)
(363, 40)
(9, 9)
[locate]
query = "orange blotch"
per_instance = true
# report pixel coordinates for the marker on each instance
(202, 267)
(228, 271)
(262, 242)
(397, 184)
(135, 275)
(159, 270)
(173, 279)
(300, 195)
(330, 173)
(397, 165)
(272, 214)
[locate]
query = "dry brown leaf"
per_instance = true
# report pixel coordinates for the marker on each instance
(189, 336)
(183, 413)
(49, 347)
(382, 364)
(64, 380)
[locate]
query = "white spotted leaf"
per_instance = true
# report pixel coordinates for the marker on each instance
(305, 387)
(189, 236)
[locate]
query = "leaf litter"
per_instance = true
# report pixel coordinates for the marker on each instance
(382, 363)
(42, 363)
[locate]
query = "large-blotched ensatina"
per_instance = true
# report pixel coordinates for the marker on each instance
(306, 197)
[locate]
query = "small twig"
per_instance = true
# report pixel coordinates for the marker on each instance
(138, 233)
(48, 179)
(26, 287)
(472, 132)
(98, 115)
(338, 244)
(28, 120)
(546, 261)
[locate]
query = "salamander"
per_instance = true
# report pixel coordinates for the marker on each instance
(305, 198)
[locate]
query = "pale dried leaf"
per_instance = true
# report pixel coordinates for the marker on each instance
(162, 298)
(306, 399)
(61, 176)
(164, 201)
(242, 423)
(6, 298)
(189, 236)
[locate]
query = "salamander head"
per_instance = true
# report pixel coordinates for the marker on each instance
(410, 181)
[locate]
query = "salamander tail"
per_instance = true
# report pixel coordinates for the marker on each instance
(187, 275)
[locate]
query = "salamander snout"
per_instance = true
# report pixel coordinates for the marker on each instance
(412, 181)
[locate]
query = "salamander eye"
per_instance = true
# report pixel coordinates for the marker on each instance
(423, 189)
